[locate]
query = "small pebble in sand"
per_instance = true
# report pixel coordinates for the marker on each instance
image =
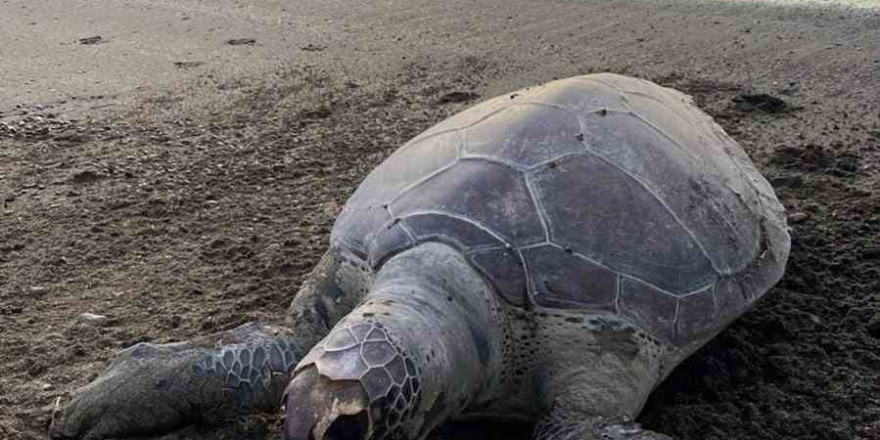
(92, 319)
(241, 42)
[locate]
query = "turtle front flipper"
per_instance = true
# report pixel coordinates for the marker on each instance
(153, 389)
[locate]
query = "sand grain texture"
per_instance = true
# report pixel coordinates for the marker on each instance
(177, 184)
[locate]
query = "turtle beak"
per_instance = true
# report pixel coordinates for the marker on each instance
(318, 408)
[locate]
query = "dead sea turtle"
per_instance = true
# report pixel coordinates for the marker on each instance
(547, 255)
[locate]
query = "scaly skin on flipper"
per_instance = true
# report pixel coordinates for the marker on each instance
(152, 389)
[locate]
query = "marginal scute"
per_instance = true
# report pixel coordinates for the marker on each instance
(506, 272)
(766, 270)
(563, 280)
(525, 135)
(731, 299)
(697, 316)
(651, 308)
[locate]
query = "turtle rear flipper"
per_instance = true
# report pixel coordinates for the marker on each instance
(565, 425)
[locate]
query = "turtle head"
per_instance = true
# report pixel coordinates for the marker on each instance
(422, 346)
(355, 385)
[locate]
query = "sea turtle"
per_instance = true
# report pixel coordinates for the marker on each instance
(548, 255)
